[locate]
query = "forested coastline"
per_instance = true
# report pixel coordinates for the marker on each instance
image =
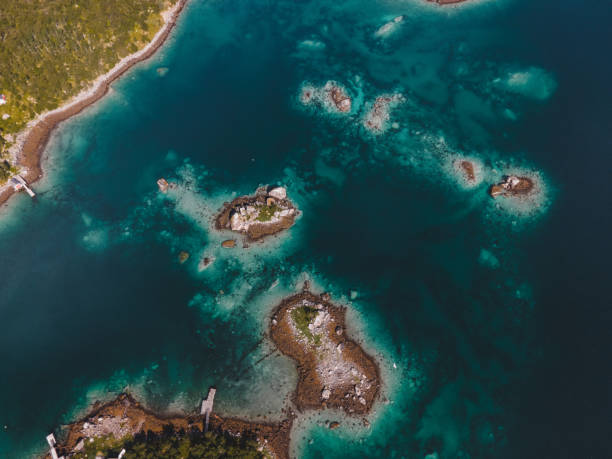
(50, 50)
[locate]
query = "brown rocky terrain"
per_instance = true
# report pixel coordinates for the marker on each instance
(512, 185)
(125, 416)
(333, 370)
(468, 169)
(266, 213)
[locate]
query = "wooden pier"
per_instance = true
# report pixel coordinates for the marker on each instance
(207, 406)
(52, 443)
(20, 184)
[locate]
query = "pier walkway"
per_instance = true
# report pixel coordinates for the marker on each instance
(20, 184)
(207, 405)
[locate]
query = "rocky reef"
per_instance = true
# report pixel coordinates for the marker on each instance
(377, 118)
(266, 213)
(332, 96)
(334, 371)
(512, 185)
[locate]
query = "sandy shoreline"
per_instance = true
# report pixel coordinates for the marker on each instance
(31, 142)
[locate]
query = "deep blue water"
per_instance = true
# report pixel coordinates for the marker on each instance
(483, 357)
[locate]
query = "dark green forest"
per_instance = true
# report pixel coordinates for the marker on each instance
(52, 49)
(175, 444)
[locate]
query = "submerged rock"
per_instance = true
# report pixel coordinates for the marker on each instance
(204, 263)
(512, 185)
(229, 243)
(183, 256)
(334, 425)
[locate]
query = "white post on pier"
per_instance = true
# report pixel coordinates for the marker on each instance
(207, 405)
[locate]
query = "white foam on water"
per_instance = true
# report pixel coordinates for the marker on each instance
(532, 82)
(311, 44)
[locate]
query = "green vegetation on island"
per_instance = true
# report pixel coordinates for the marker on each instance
(171, 443)
(266, 212)
(50, 50)
(302, 318)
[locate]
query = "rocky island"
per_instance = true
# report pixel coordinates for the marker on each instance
(512, 185)
(334, 372)
(266, 213)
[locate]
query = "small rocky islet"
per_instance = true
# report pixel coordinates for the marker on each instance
(264, 214)
(512, 186)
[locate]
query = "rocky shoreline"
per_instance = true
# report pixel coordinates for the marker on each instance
(36, 136)
(125, 416)
(446, 2)
(334, 371)
(264, 214)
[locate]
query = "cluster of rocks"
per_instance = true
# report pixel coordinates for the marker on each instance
(470, 173)
(333, 96)
(267, 212)
(377, 118)
(512, 185)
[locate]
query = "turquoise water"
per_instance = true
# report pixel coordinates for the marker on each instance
(488, 318)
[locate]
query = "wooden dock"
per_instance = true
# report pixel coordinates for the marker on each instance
(20, 184)
(207, 406)
(52, 443)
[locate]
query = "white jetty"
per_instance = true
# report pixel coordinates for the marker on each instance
(207, 405)
(52, 443)
(20, 184)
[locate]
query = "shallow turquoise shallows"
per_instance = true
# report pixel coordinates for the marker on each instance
(490, 319)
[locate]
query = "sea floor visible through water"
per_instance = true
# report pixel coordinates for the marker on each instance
(480, 312)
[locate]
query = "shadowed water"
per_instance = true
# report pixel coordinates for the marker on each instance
(486, 316)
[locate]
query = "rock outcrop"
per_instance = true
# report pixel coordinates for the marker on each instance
(468, 169)
(512, 185)
(266, 213)
(341, 100)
